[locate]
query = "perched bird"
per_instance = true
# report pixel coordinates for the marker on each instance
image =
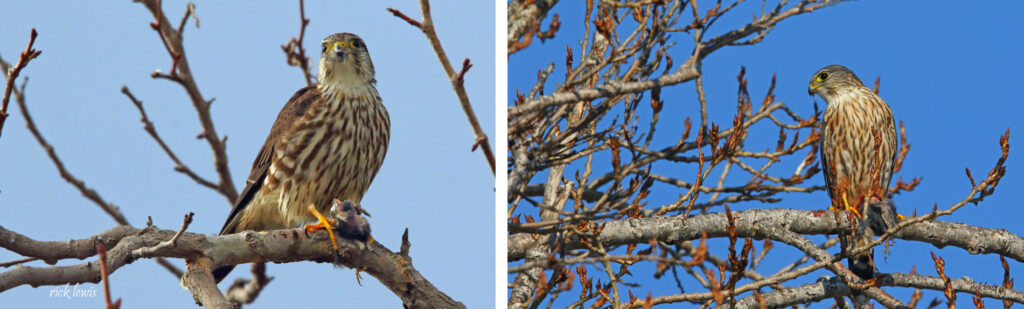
(327, 143)
(858, 152)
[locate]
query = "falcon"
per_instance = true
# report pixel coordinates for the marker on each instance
(858, 152)
(327, 143)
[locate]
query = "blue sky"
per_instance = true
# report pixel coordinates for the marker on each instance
(430, 181)
(949, 69)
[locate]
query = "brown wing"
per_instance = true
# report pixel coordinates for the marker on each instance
(291, 111)
(826, 166)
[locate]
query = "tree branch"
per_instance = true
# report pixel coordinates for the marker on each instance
(245, 291)
(198, 279)
(752, 223)
(12, 74)
(523, 20)
(456, 79)
(181, 74)
(825, 289)
(109, 208)
(279, 246)
(688, 71)
(295, 54)
(178, 165)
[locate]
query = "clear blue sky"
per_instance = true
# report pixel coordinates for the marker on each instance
(430, 181)
(950, 70)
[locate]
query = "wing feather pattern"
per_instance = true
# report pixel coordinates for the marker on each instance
(291, 111)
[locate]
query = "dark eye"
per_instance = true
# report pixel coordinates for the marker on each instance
(357, 43)
(822, 76)
(324, 48)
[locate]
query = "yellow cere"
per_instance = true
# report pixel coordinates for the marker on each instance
(340, 44)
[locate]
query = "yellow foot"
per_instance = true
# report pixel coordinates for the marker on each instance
(322, 223)
(853, 209)
(901, 217)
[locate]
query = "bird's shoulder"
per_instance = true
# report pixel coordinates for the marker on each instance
(294, 109)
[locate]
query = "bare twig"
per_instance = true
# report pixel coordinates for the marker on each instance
(111, 210)
(148, 251)
(18, 262)
(181, 74)
(295, 54)
(102, 252)
(455, 78)
(404, 249)
(190, 10)
(407, 19)
(12, 74)
(688, 71)
(89, 193)
(524, 18)
(178, 165)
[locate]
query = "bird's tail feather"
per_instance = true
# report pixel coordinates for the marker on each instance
(221, 272)
(861, 266)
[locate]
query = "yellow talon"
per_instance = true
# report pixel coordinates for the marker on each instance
(853, 209)
(369, 240)
(901, 217)
(322, 223)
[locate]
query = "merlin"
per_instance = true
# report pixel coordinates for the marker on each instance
(858, 152)
(327, 143)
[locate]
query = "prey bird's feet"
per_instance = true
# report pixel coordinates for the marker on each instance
(349, 221)
(322, 223)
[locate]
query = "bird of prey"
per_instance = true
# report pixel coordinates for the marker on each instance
(327, 143)
(858, 152)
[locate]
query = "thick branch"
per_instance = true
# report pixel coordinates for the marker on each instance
(826, 289)
(52, 251)
(279, 246)
(198, 279)
(756, 222)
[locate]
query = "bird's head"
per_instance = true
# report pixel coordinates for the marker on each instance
(829, 79)
(345, 61)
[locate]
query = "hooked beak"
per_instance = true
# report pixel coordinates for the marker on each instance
(812, 88)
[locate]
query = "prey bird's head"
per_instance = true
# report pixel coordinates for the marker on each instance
(345, 62)
(829, 80)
